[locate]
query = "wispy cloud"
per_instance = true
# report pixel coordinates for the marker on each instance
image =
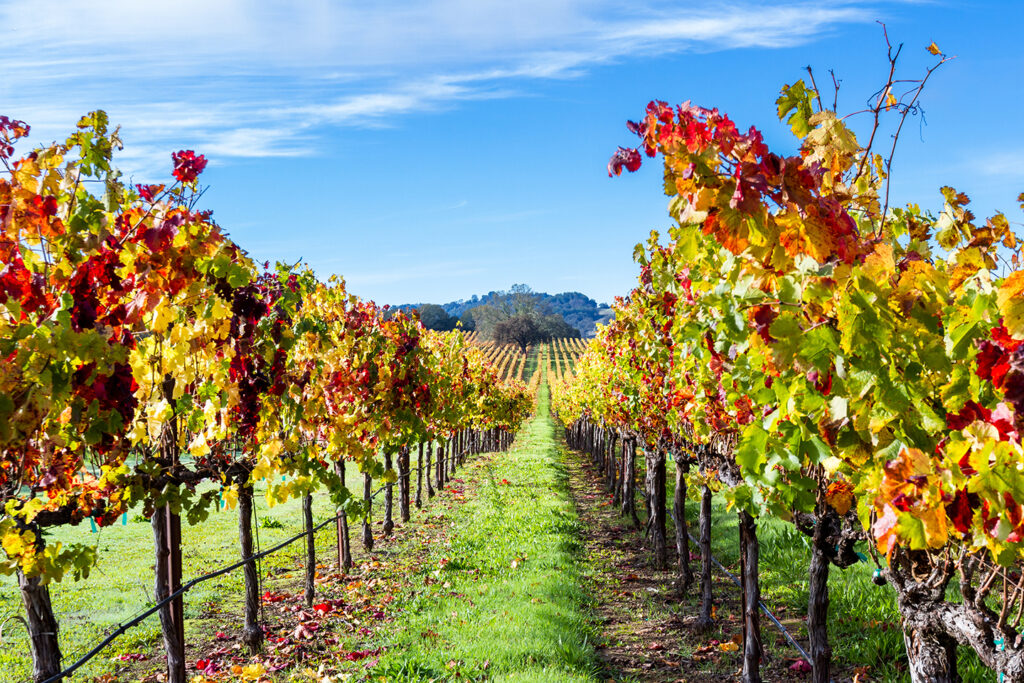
(266, 78)
(1004, 163)
(451, 270)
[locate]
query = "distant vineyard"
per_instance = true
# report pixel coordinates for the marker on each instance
(561, 355)
(508, 361)
(556, 358)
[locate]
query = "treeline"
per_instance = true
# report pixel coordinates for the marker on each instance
(519, 316)
(575, 310)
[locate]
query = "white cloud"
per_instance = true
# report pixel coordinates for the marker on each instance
(261, 78)
(1003, 163)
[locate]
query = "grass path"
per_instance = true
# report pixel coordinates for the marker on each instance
(485, 582)
(501, 597)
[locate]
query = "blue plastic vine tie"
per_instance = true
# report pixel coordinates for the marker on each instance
(1000, 646)
(124, 519)
(92, 523)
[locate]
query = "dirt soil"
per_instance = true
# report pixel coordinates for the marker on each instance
(646, 628)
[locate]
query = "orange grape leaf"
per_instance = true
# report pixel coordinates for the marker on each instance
(934, 49)
(1010, 300)
(840, 496)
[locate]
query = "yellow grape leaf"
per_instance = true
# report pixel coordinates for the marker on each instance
(165, 314)
(1010, 300)
(16, 544)
(890, 101)
(270, 449)
(32, 508)
(262, 470)
(253, 672)
(199, 447)
(230, 497)
(728, 647)
(934, 49)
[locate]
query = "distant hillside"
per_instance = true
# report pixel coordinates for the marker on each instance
(579, 310)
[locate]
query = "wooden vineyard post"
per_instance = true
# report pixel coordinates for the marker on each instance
(419, 477)
(442, 462)
(252, 634)
(403, 484)
(167, 542)
(705, 621)
(389, 500)
(344, 543)
(685, 574)
(307, 522)
(170, 623)
(751, 598)
(173, 585)
(613, 470)
(367, 515)
(428, 475)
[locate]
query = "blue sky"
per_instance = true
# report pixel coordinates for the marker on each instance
(428, 151)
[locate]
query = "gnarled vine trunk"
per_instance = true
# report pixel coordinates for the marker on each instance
(167, 542)
(629, 481)
(656, 495)
(931, 656)
(42, 624)
(684, 574)
(817, 611)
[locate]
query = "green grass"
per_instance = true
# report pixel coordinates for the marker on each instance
(503, 598)
(530, 366)
(473, 615)
(863, 618)
(121, 585)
